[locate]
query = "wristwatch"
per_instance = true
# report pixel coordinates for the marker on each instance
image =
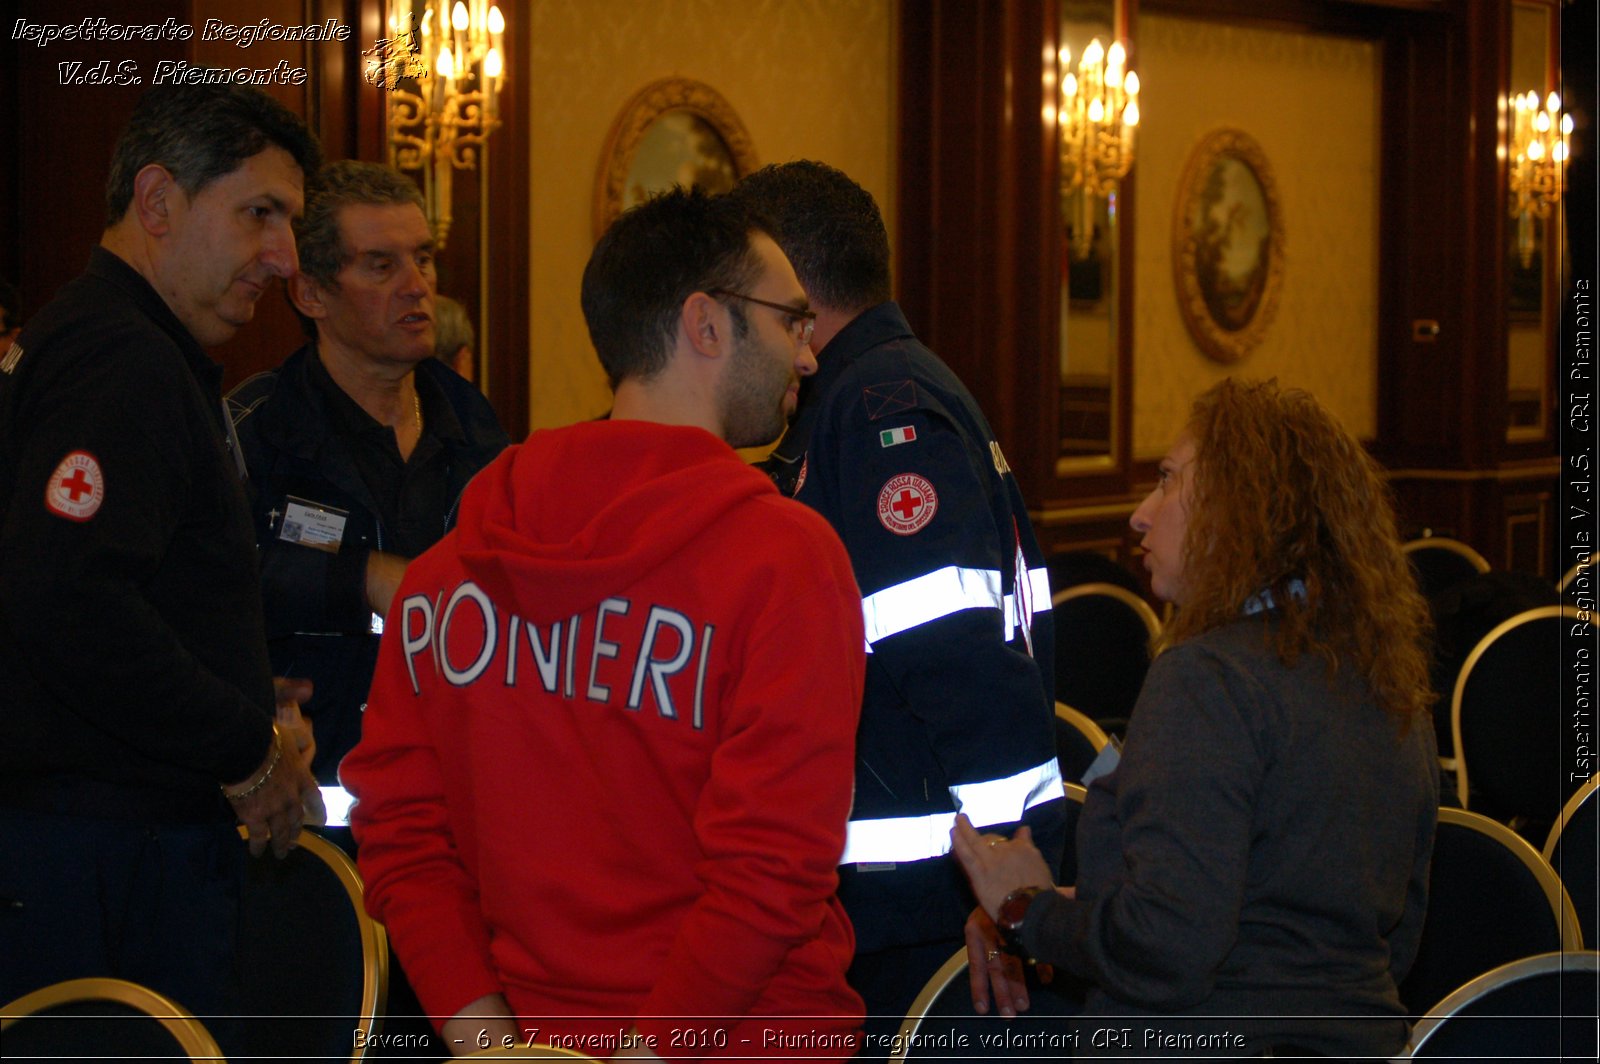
(1010, 917)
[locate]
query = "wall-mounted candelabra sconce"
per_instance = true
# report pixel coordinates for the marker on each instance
(445, 66)
(1538, 164)
(1098, 114)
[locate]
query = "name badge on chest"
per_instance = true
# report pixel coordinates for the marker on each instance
(312, 525)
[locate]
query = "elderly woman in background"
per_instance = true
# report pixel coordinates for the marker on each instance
(1255, 871)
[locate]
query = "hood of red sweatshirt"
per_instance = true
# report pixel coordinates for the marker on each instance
(576, 514)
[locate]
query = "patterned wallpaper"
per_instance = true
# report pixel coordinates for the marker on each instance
(1312, 104)
(810, 79)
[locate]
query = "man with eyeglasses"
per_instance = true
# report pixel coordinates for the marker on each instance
(959, 711)
(598, 778)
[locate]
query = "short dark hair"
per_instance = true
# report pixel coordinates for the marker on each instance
(200, 133)
(346, 183)
(653, 258)
(829, 227)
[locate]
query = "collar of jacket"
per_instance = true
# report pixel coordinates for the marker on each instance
(110, 269)
(294, 420)
(872, 328)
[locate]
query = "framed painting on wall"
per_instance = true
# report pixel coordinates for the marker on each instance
(672, 132)
(1227, 245)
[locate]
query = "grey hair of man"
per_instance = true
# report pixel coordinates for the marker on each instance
(651, 261)
(452, 327)
(200, 133)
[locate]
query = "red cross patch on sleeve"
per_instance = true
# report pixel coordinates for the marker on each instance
(77, 487)
(906, 504)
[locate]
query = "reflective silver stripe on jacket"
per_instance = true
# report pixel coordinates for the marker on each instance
(917, 838)
(925, 598)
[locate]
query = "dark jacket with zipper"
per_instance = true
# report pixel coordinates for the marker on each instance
(302, 439)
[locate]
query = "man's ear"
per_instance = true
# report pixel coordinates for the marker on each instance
(306, 295)
(154, 188)
(703, 321)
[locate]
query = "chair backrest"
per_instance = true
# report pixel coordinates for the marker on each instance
(1507, 717)
(1047, 1030)
(1103, 637)
(1067, 874)
(1491, 899)
(1571, 851)
(1079, 741)
(1536, 1008)
(313, 965)
(1440, 561)
(92, 1018)
(1463, 614)
(1578, 579)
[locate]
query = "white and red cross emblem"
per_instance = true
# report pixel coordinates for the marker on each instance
(77, 487)
(906, 504)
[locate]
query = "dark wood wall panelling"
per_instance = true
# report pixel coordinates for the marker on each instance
(976, 275)
(53, 185)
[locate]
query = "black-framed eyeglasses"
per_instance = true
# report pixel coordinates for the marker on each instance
(801, 323)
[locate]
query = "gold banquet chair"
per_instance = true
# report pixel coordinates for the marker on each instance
(1492, 899)
(83, 1019)
(1506, 718)
(314, 967)
(1079, 741)
(1440, 561)
(1103, 636)
(942, 1024)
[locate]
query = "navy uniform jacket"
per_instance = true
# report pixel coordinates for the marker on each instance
(959, 707)
(319, 625)
(132, 655)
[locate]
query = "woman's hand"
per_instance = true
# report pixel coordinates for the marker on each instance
(996, 865)
(989, 966)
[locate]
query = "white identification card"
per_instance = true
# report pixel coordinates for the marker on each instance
(312, 525)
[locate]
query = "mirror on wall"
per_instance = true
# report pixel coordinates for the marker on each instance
(1086, 398)
(1532, 255)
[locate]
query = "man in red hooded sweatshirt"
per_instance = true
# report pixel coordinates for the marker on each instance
(607, 760)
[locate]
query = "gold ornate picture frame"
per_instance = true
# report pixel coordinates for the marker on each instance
(1227, 245)
(672, 131)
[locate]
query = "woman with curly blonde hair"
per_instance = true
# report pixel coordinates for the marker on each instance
(1254, 873)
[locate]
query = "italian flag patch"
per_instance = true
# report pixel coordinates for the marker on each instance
(890, 437)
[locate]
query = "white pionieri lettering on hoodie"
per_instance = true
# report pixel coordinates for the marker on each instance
(650, 662)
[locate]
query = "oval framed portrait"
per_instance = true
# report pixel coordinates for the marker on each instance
(1227, 245)
(672, 132)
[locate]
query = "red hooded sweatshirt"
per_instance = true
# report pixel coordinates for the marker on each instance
(607, 759)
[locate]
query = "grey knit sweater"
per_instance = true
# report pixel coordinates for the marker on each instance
(1260, 855)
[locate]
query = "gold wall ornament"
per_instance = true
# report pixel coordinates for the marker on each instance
(1097, 116)
(443, 66)
(672, 131)
(1538, 164)
(1227, 245)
